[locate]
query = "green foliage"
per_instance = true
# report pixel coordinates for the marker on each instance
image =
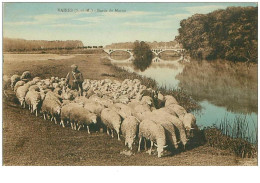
(143, 55)
(225, 34)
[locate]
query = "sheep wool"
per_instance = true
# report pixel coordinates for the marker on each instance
(33, 99)
(81, 116)
(18, 84)
(112, 120)
(14, 80)
(170, 100)
(153, 132)
(129, 128)
(21, 92)
(66, 112)
(179, 110)
(189, 122)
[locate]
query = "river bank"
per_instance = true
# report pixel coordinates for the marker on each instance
(23, 133)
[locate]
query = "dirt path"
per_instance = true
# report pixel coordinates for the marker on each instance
(29, 140)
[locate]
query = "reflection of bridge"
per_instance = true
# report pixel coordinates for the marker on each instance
(130, 51)
(158, 51)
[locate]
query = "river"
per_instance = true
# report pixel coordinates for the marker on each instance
(225, 90)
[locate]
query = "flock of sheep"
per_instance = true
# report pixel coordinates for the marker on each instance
(127, 108)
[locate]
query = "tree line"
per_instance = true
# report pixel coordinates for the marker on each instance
(229, 34)
(32, 45)
(153, 45)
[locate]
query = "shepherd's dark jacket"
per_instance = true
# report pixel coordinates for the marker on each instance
(74, 79)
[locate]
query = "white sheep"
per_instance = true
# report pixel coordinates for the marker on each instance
(111, 120)
(153, 132)
(129, 128)
(36, 79)
(52, 106)
(164, 116)
(167, 110)
(189, 122)
(148, 100)
(14, 80)
(21, 92)
(33, 99)
(81, 116)
(102, 101)
(18, 84)
(94, 107)
(26, 75)
(66, 112)
(170, 132)
(170, 100)
(123, 110)
(179, 110)
(34, 88)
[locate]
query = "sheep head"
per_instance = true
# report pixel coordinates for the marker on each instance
(93, 118)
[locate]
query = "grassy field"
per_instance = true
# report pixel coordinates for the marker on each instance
(29, 140)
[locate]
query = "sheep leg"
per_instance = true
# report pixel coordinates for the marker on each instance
(51, 118)
(150, 151)
(36, 113)
(139, 145)
(44, 116)
(145, 148)
(62, 123)
(112, 134)
(75, 126)
(79, 127)
(108, 131)
(29, 107)
(71, 124)
(118, 137)
(88, 129)
(24, 105)
(55, 120)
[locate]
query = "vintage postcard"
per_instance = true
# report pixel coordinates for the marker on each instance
(120, 84)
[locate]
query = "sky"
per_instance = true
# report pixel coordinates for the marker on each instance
(101, 23)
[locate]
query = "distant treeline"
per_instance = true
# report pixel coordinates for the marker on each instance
(229, 34)
(155, 44)
(14, 45)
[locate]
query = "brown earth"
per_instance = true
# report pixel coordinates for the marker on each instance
(30, 140)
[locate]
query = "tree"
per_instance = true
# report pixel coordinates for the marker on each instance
(222, 34)
(143, 55)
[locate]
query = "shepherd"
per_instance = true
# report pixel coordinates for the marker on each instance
(75, 79)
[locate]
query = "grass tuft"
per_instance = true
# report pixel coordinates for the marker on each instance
(233, 136)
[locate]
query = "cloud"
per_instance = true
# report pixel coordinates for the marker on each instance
(21, 23)
(69, 25)
(203, 9)
(162, 22)
(129, 14)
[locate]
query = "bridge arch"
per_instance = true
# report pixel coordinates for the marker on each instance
(109, 51)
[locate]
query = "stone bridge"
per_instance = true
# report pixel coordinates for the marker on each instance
(130, 51)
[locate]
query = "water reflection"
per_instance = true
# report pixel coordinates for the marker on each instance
(233, 86)
(163, 72)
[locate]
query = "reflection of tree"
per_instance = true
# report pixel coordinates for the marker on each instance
(224, 84)
(143, 55)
